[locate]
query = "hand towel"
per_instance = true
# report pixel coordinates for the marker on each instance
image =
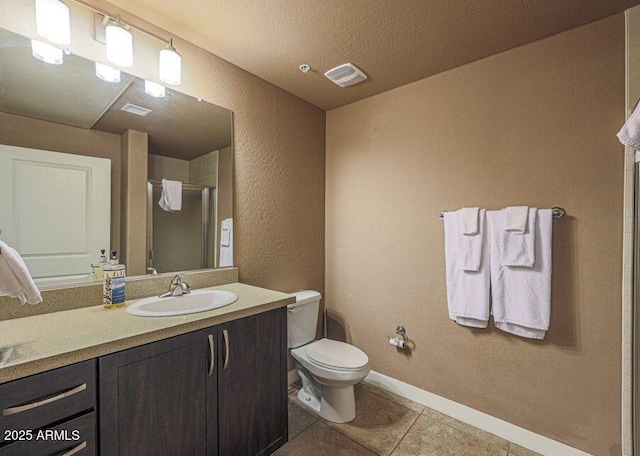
(515, 219)
(470, 246)
(171, 197)
(226, 243)
(467, 291)
(518, 249)
(15, 279)
(521, 296)
(629, 134)
(469, 220)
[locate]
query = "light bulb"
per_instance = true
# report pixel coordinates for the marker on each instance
(153, 89)
(119, 45)
(46, 53)
(107, 73)
(170, 66)
(52, 21)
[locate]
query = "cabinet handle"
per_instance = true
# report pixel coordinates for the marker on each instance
(225, 333)
(77, 449)
(212, 351)
(49, 400)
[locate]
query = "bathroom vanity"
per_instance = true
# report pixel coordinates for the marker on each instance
(212, 383)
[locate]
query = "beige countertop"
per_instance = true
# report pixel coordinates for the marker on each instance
(39, 343)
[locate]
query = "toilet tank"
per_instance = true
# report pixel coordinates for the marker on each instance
(302, 318)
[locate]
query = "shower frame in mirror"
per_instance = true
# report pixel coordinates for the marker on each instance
(205, 241)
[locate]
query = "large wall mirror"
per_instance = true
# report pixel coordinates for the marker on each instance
(82, 160)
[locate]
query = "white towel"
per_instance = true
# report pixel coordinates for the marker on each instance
(629, 134)
(518, 247)
(226, 243)
(470, 246)
(522, 296)
(15, 279)
(467, 291)
(469, 220)
(515, 219)
(171, 198)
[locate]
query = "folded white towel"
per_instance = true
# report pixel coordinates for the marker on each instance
(467, 291)
(15, 279)
(226, 243)
(629, 134)
(468, 217)
(515, 219)
(171, 198)
(470, 246)
(518, 249)
(522, 296)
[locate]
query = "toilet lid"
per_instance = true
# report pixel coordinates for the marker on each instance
(332, 353)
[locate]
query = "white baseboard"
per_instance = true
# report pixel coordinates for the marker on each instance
(491, 424)
(292, 376)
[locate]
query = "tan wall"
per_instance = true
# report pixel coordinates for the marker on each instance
(535, 126)
(40, 134)
(279, 150)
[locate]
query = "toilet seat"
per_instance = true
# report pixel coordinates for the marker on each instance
(336, 355)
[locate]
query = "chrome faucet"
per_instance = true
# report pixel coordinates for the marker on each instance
(177, 288)
(152, 271)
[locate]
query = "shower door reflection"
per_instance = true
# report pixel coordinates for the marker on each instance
(182, 240)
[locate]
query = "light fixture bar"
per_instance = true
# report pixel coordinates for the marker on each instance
(114, 17)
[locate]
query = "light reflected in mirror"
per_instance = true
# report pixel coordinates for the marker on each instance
(82, 161)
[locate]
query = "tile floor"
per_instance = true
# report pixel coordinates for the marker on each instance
(387, 424)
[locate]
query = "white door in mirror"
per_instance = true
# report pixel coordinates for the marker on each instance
(55, 211)
(194, 302)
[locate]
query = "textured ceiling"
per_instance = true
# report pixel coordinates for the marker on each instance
(395, 42)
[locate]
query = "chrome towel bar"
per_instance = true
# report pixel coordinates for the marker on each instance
(556, 212)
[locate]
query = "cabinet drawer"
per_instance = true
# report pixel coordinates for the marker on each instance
(33, 402)
(73, 437)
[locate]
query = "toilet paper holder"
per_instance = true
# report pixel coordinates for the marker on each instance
(401, 339)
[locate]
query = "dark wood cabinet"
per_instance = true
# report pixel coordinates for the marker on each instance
(221, 390)
(51, 413)
(159, 398)
(252, 392)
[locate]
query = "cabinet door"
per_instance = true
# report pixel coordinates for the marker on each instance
(154, 399)
(252, 386)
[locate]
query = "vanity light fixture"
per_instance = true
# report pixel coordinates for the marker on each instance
(52, 21)
(170, 65)
(153, 89)
(119, 44)
(46, 53)
(107, 73)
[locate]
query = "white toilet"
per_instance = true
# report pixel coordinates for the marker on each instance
(328, 368)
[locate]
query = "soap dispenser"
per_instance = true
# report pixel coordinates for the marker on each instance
(99, 266)
(114, 276)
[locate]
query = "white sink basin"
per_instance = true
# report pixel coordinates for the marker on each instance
(194, 302)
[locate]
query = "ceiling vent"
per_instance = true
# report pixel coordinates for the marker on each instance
(135, 109)
(346, 75)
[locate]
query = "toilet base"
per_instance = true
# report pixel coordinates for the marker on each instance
(335, 404)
